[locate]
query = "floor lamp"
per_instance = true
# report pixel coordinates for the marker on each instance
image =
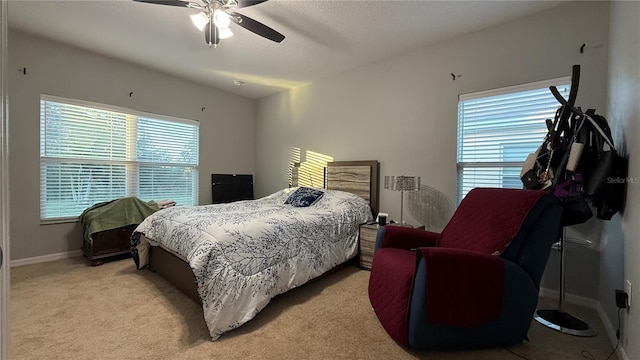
(402, 183)
(558, 319)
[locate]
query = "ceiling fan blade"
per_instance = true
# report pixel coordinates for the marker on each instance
(210, 32)
(256, 27)
(246, 3)
(166, 2)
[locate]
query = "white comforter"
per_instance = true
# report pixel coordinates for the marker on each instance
(245, 253)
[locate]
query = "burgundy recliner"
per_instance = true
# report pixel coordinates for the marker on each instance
(473, 285)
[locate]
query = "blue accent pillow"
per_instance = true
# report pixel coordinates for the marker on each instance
(304, 197)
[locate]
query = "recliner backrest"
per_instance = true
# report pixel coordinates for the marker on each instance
(530, 248)
(488, 219)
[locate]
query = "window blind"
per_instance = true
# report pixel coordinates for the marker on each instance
(91, 153)
(497, 129)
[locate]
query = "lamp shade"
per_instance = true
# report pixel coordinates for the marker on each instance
(402, 183)
(200, 20)
(221, 19)
(225, 33)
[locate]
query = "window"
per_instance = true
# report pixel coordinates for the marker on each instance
(90, 153)
(497, 129)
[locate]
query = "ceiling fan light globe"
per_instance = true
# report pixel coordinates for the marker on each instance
(224, 33)
(200, 20)
(221, 19)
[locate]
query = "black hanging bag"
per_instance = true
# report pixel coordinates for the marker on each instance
(605, 171)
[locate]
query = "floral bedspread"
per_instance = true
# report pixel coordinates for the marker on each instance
(244, 253)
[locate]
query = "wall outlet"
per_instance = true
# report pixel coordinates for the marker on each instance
(627, 289)
(621, 299)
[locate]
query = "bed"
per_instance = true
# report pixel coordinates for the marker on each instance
(234, 258)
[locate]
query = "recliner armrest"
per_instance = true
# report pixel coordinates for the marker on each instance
(405, 237)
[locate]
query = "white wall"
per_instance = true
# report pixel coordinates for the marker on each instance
(621, 238)
(403, 112)
(227, 125)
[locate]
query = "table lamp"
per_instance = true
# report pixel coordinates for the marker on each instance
(402, 183)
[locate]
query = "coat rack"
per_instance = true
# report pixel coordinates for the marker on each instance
(558, 319)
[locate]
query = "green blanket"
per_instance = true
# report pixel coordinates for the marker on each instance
(115, 214)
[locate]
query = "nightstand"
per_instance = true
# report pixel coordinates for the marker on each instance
(367, 244)
(108, 243)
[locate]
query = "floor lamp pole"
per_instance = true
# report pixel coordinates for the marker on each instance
(558, 319)
(562, 259)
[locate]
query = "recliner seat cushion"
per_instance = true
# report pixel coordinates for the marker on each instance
(464, 288)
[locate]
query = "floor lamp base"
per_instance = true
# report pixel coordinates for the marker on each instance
(564, 322)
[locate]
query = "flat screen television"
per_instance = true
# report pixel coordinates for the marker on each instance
(226, 188)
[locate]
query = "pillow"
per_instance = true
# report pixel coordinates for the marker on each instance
(304, 197)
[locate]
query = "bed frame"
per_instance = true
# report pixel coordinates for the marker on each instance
(358, 177)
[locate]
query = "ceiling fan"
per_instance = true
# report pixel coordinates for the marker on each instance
(216, 16)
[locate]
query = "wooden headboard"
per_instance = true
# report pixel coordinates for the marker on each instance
(358, 177)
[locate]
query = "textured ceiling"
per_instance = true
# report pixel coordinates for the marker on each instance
(323, 38)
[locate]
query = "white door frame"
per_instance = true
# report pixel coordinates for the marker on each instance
(4, 187)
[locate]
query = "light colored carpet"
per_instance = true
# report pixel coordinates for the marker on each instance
(66, 309)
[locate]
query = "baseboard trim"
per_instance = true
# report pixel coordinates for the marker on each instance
(608, 326)
(611, 332)
(622, 354)
(45, 258)
(592, 304)
(570, 298)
